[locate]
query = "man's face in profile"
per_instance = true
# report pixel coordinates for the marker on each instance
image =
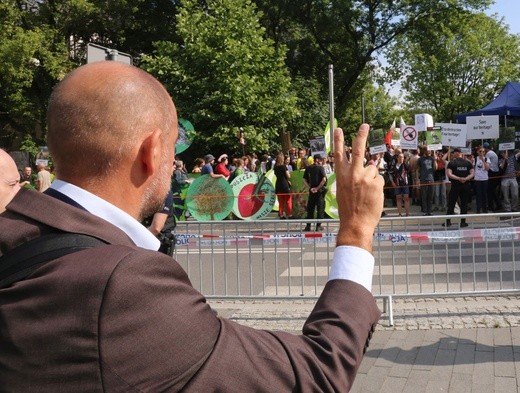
(158, 189)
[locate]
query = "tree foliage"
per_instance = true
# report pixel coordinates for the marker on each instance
(41, 40)
(256, 64)
(224, 74)
(32, 58)
(456, 65)
(348, 34)
(313, 111)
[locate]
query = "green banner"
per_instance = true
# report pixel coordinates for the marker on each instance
(331, 204)
(254, 196)
(209, 199)
(272, 178)
(249, 197)
(300, 194)
(185, 136)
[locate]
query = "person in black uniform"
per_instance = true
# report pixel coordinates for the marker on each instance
(315, 180)
(460, 172)
(162, 224)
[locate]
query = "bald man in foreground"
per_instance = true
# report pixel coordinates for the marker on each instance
(122, 317)
(9, 179)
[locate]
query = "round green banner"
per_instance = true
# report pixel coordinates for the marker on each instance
(254, 196)
(209, 199)
(185, 136)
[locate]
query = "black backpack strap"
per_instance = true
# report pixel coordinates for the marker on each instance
(21, 261)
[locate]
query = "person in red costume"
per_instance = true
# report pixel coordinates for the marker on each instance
(221, 168)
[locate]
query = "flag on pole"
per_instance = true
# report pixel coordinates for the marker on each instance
(326, 133)
(402, 124)
(388, 136)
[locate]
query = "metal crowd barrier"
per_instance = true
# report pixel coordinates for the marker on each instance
(415, 257)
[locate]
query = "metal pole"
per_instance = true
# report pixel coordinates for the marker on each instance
(331, 105)
(362, 108)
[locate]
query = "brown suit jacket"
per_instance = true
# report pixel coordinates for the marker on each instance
(117, 318)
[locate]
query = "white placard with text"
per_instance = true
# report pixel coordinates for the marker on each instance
(482, 127)
(506, 146)
(378, 149)
(453, 134)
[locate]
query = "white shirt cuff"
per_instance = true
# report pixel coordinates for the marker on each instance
(354, 264)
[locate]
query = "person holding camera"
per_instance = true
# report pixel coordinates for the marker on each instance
(121, 317)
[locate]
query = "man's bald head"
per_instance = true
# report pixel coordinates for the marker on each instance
(98, 113)
(9, 179)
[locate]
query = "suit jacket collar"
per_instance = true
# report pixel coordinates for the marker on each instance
(62, 197)
(30, 210)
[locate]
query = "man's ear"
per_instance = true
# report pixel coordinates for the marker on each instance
(151, 152)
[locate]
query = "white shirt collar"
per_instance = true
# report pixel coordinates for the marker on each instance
(97, 206)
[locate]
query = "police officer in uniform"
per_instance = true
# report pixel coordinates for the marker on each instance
(460, 171)
(315, 180)
(162, 224)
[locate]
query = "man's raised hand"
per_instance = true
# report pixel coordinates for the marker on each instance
(359, 192)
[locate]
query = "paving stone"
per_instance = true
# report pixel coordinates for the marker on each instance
(504, 362)
(393, 385)
(460, 382)
(479, 387)
(465, 356)
(483, 369)
(505, 384)
(502, 337)
(417, 381)
(375, 379)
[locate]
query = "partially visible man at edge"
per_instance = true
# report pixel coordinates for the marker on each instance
(9, 179)
(123, 317)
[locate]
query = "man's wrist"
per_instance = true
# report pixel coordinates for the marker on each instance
(361, 238)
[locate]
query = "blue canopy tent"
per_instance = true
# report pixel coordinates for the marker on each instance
(506, 104)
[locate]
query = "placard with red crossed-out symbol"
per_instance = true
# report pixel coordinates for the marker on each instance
(409, 138)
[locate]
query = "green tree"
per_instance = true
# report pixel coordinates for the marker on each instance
(348, 34)
(380, 110)
(455, 65)
(224, 75)
(32, 58)
(313, 111)
(40, 41)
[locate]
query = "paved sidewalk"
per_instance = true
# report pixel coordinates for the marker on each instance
(456, 360)
(469, 344)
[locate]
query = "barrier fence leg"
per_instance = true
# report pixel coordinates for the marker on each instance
(390, 312)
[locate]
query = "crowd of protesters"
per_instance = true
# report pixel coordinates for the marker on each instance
(448, 179)
(443, 181)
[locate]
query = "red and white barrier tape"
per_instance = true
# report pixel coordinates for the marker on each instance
(441, 236)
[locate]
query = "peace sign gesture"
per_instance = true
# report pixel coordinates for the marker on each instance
(359, 192)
